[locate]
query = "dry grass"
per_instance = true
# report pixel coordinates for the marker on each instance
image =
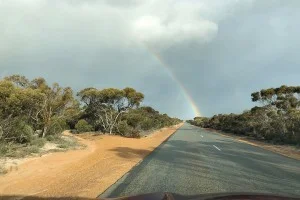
(37, 147)
(3, 170)
(12, 154)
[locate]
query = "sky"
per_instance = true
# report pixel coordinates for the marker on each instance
(189, 57)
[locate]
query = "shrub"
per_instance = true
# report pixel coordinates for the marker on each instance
(16, 150)
(20, 132)
(147, 124)
(50, 138)
(3, 170)
(133, 118)
(83, 126)
(63, 146)
(32, 149)
(133, 133)
(57, 127)
(3, 149)
(38, 142)
(128, 131)
(123, 128)
(66, 142)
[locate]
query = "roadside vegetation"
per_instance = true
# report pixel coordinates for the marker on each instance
(276, 120)
(118, 111)
(34, 113)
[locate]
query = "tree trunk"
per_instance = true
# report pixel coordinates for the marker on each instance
(44, 131)
(114, 122)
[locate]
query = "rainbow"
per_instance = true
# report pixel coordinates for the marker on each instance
(174, 77)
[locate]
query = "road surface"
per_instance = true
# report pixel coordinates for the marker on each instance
(195, 161)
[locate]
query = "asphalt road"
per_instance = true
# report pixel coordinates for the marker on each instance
(194, 161)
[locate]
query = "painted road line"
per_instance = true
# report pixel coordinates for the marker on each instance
(217, 147)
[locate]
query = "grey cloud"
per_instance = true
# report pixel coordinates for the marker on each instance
(122, 3)
(221, 51)
(252, 51)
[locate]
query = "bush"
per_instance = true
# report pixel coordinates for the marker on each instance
(16, 150)
(57, 127)
(32, 149)
(50, 138)
(83, 126)
(3, 149)
(20, 132)
(128, 131)
(66, 142)
(134, 133)
(146, 118)
(133, 118)
(123, 128)
(147, 124)
(38, 142)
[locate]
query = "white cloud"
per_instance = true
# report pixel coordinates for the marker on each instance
(101, 42)
(162, 35)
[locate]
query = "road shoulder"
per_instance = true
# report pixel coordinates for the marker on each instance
(285, 150)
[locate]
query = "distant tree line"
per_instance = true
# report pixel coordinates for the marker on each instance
(277, 119)
(118, 111)
(33, 109)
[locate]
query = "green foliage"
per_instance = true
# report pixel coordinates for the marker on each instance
(277, 121)
(199, 121)
(52, 138)
(38, 142)
(104, 108)
(146, 118)
(33, 112)
(146, 124)
(16, 150)
(65, 142)
(17, 130)
(57, 126)
(31, 150)
(3, 149)
(134, 133)
(42, 107)
(83, 126)
(123, 128)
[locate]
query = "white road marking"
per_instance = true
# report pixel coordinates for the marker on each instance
(217, 147)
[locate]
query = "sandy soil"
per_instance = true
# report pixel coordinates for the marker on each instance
(285, 150)
(81, 173)
(12, 164)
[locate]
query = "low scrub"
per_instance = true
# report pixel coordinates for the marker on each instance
(83, 126)
(3, 170)
(18, 150)
(38, 142)
(66, 142)
(276, 121)
(143, 119)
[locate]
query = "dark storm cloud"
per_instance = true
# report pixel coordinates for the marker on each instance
(221, 51)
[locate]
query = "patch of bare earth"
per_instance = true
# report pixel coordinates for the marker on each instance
(285, 150)
(81, 173)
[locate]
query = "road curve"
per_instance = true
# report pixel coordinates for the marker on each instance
(194, 161)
